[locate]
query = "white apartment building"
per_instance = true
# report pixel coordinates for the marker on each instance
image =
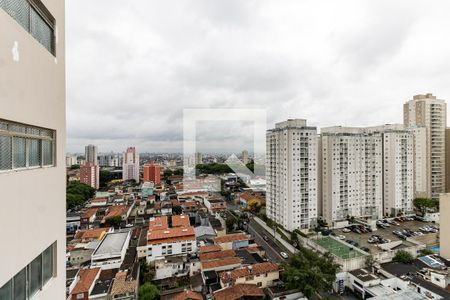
(292, 174)
(90, 153)
(351, 173)
(130, 167)
(398, 168)
(111, 251)
(110, 160)
(71, 160)
(170, 242)
(367, 172)
(32, 149)
(429, 112)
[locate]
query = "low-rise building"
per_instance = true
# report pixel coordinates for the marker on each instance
(85, 281)
(111, 251)
(263, 275)
(215, 205)
(170, 241)
(240, 291)
(171, 266)
(232, 241)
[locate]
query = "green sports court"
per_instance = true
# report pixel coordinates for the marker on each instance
(337, 248)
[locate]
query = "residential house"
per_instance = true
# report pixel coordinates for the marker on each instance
(263, 275)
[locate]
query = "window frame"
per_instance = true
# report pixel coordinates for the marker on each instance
(28, 137)
(46, 16)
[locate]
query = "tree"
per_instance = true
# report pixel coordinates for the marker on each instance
(178, 172)
(230, 223)
(78, 193)
(146, 273)
(148, 291)
(423, 204)
(167, 173)
(403, 256)
(370, 261)
(310, 272)
(254, 205)
(177, 210)
(74, 167)
(113, 221)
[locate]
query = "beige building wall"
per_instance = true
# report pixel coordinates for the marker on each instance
(444, 222)
(429, 112)
(32, 91)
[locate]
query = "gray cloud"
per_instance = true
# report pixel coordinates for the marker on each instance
(132, 67)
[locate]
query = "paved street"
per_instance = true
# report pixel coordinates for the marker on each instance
(271, 248)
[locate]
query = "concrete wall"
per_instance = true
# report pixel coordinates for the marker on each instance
(32, 91)
(444, 207)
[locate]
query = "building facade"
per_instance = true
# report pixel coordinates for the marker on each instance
(292, 174)
(152, 173)
(32, 149)
(130, 166)
(90, 175)
(245, 159)
(91, 154)
(429, 112)
(352, 179)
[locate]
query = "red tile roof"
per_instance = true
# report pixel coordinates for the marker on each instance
(239, 291)
(210, 248)
(158, 223)
(116, 211)
(171, 235)
(90, 233)
(90, 212)
(188, 295)
(212, 264)
(216, 255)
(231, 237)
(256, 269)
(87, 278)
(180, 221)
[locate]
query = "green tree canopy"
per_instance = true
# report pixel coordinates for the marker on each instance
(78, 193)
(423, 204)
(310, 272)
(177, 210)
(114, 221)
(403, 256)
(148, 291)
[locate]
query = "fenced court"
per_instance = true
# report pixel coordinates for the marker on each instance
(337, 248)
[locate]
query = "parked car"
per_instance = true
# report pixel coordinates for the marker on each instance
(365, 249)
(284, 255)
(346, 230)
(341, 237)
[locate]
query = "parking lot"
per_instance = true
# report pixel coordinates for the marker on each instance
(387, 234)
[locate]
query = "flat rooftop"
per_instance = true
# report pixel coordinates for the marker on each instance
(113, 243)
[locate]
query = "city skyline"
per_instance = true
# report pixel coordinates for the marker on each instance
(255, 55)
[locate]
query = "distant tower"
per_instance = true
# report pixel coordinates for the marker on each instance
(198, 158)
(91, 154)
(245, 157)
(431, 113)
(90, 175)
(130, 167)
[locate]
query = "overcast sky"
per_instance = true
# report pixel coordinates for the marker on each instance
(133, 66)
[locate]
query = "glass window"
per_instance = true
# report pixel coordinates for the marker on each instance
(6, 290)
(47, 153)
(35, 275)
(34, 153)
(40, 30)
(20, 285)
(5, 152)
(20, 155)
(19, 10)
(47, 264)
